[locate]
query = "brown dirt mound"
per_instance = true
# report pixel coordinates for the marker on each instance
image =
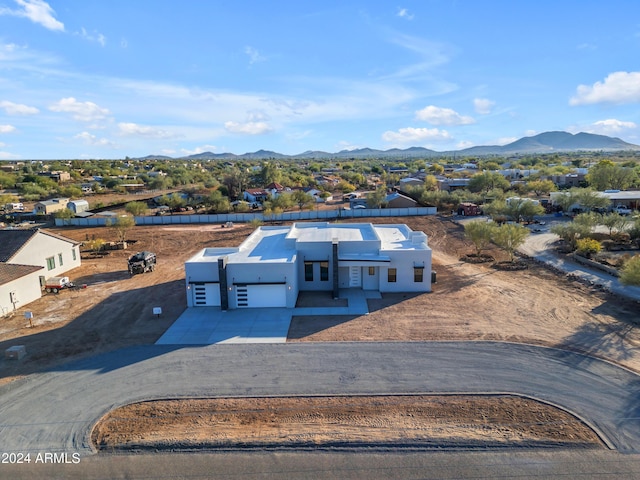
(407, 421)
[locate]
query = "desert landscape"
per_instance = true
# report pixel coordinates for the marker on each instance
(112, 310)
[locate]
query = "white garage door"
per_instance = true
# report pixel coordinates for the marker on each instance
(206, 294)
(252, 296)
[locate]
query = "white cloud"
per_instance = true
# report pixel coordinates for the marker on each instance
(610, 126)
(404, 13)
(483, 106)
(93, 37)
(254, 55)
(7, 128)
(90, 139)
(196, 150)
(618, 88)
(9, 156)
(442, 116)
(133, 129)
(415, 135)
(11, 108)
(38, 11)
(248, 128)
(82, 111)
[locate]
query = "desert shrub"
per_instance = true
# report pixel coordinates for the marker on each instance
(588, 246)
(630, 274)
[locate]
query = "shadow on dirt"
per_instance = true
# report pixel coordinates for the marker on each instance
(124, 319)
(615, 340)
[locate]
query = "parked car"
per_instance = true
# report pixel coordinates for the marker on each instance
(622, 210)
(142, 262)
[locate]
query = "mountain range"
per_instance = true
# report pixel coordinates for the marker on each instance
(548, 142)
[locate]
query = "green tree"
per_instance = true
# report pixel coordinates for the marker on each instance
(480, 234)
(541, 187)
(606, 175)
(571, 232)
(64, 214)
(136, 208)
(121, 226)
(376, 199)
(96, 245)
(303, 199)
(522, 210)
(509, 237)
(614, 221)
(486, 181)
(630, 274)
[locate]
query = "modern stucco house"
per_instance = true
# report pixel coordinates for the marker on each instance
(275, 263)
(27, 258)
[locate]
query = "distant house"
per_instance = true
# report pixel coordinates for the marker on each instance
(255, 195)
(51, 206)
(408, 182)
(58, 176)
(78, 206)
(397, 200)
(27, 259)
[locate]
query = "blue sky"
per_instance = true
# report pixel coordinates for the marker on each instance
(116, 78)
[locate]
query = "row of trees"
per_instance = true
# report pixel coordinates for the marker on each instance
(508, 236)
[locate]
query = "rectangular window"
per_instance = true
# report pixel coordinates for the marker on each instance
(308, 271)
(73, 254)
(418, 274)
(60, 259)
(51, 263)
(391, 275)
(324, 271)
(372, 271)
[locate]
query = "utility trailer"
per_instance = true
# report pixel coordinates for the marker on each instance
(142, 262)
(55, 284)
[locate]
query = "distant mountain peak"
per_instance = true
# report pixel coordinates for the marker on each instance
(546, 142)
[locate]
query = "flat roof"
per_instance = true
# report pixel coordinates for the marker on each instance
(400, 237)
(326, 232)
(266, 244)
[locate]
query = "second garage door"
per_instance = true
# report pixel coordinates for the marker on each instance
(252, 296)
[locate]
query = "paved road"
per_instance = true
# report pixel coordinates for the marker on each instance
(55, 411)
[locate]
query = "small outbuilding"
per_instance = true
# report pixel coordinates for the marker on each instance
(78, 206)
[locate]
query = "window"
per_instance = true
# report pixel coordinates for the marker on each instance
(324, 271)
(51, 263)
(308, 271)
(73, 254)
(60, 259)
(391, 275)
(418, 274)
(372, 271)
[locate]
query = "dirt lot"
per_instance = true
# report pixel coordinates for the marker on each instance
(469, 302)
(334, 422)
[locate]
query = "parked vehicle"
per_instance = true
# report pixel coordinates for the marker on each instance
(11, 207)
(55, 284)
(622, 210)
(469, 209)
(142, 262)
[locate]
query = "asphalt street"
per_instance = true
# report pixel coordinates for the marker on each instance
(55, 411)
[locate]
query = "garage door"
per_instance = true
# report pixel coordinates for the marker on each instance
(206, 294)
(252, 296)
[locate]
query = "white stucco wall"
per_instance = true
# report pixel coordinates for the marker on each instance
(42, 246)
(404, 262)
(27, 289)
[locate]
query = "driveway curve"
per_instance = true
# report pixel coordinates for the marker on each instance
(55, 411)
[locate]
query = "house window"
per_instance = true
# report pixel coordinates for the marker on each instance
(51, 263)
(418, 274)
(308, 271)
(372, 271)
(73, 254)
(324, 271)
(60, 259)
(391, 275)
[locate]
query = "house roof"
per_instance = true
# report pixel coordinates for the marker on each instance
(12, 240)
(274, 186)
(10, 272)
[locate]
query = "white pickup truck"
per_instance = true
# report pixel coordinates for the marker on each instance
(622, 210)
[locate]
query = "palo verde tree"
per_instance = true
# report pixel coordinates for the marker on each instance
(480, 233)
(121, 226)
(509, 237)
(607, 175)
(630, 274)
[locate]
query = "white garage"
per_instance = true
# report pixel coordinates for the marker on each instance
(205, 294)
(252, 296)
